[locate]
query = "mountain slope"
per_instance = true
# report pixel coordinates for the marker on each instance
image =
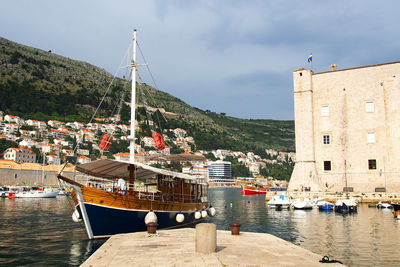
(41, 85)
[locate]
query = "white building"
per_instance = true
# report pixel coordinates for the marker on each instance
(148, 141)
(20, 155)
(83, 160)
(198, 171)
(28, 143)
(12, 119)
(220, 170)
(56, 124)
(180, 133)
(36, 123)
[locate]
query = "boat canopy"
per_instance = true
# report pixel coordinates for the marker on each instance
(112, 169)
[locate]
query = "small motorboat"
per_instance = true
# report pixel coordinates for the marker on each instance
(346, 205)
(279, 202)
(384, 205)
(4, 192)
(325, 205)
(302, 203)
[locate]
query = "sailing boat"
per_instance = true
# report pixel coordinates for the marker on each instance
(38, 192)
(168, 198)
(347, 205)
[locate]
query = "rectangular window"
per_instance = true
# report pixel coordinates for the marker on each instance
(326, 139)
(325, 111)
(371, 137)
(369, 107)
(372, 164)
(327, 165)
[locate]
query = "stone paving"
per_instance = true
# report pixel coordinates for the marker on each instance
(177, 248)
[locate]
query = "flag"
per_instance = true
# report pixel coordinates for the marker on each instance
(309, 58)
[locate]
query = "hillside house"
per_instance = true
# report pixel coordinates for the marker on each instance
(148, 141)
(20, 155)
(83, 160)
(13, 119)
(36, 124)
(56, 124)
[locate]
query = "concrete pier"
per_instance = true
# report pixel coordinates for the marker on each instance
(177, 248)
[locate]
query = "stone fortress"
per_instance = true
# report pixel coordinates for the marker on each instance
(347, 129)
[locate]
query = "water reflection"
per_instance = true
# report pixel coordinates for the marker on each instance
(367, 238)
(40, 232)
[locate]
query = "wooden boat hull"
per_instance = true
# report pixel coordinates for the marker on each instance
(108, 213)
(106, 221)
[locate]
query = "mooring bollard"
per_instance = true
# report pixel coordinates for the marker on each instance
(235, 228)
(206, 238)
(152, 227)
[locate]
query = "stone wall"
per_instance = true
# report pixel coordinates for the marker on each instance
(30, 177)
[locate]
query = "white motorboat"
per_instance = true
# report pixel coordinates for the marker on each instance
(279, 202)
(384, 205)
(37, 192)
(302, 203)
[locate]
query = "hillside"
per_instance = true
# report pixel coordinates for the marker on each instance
(41, 85)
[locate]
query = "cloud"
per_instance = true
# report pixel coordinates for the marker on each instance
(227, 56)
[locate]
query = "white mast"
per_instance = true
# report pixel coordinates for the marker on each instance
(133, 102)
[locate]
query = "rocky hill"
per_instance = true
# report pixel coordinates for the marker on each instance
(41, 85)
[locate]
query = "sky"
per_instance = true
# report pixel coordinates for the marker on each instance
(228, 56)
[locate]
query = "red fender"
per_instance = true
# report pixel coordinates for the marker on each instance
(158, 140)
(105, 142)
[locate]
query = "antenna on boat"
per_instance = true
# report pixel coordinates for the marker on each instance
(133, 101)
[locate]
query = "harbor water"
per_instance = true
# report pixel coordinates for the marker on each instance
(38, 232)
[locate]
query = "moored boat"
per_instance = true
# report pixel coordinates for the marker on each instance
(346, 205)
(4, 192)
(302, 203)
(279, 202)
(253, 188)
(396, 210)
(384, 205)
(37, 192)
(325, 205)
(145, 194)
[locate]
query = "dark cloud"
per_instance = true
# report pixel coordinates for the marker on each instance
(227, 56)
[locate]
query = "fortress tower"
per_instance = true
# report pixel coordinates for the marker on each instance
(347, 129)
